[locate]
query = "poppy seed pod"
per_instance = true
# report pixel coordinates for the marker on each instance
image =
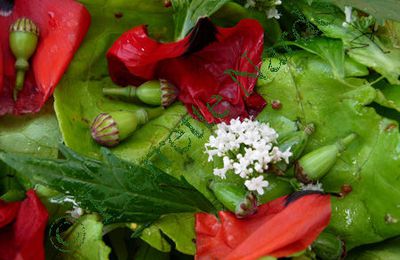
(296, 142)
(154, 92)
(24, 35)
(328, 246)
(316, 164)
(109, 129)
(235, 198)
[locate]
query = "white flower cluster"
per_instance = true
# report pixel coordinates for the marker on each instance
(269, 6)
(247, 149)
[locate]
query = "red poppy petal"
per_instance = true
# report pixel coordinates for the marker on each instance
(24, 239)
(8, 211)
(61, 33)
(1, 69)
(133, 58)
(275, 230)
(213, 81)
(255, 103)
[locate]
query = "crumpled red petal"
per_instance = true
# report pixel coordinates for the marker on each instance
(214, 82)
(8, 211)
(275, 230)
(24, 237)
(62, 24)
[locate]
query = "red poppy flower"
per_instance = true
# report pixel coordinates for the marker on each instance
(22, 226)
(280, 228)
(215, 68)
(62, 25)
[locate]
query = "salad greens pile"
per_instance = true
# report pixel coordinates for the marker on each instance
(342, 77)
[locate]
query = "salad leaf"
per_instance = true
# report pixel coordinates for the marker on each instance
(85, 238)
(118, 190)
(146, 252)
(152, 235)
(380, 9)
(387, 250)
(36, 135)
(180, 228)
(308, 92)
(231, 13)
(361, 45)
(186, 13)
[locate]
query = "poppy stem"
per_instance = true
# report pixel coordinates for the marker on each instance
(19, 83)
(126, 92)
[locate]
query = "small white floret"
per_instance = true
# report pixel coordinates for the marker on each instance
(257, 184)
(273, 13)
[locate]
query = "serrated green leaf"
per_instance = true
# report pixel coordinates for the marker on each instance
(118, 190)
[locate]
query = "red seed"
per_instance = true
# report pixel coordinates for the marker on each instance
(345, 189)
(167, 3)
(276, 104)
(118, 15)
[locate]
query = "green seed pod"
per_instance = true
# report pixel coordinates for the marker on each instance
(316, 164)
(154, 92)
(296, 141)
(24, 35)
(109, 129)
(328, 246)
(235, 198)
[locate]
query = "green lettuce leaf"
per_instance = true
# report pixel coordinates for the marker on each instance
(117, 190)
(146, 252)
(387, 250)
(84, 240)
(387, 9)
(179, 227)
(309, 93)
(187, 12)
(366, 48)
(36, 135)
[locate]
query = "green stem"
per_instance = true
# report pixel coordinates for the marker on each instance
(343, 143)
(126, 92)
(19, 83)
(154, 112)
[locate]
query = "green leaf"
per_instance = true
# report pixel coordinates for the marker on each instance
(146, 252)
(309, 93)
(387, 9)
(85, 240)
(330, 50)
(366, 48)
(187, 12)
(35, 135)
(119, 191)
(387, 250)
(152, 235)
(178, 227)
(231, 13)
